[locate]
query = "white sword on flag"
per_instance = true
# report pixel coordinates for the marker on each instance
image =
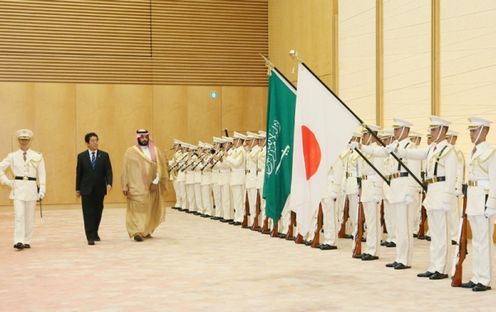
(285, 153)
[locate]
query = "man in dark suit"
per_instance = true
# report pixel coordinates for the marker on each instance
(93, 181)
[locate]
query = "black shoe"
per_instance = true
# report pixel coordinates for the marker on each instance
(223, 220)
(357, 256)
(215, 218)
(235, 223)
(205, 216)
(364, 240)
(401, 266)
(454, 242)
(390, 244)
(425, 274)
(196, 213)
(230, 221)
(427, 238)
(368, 257)
(97, 239)
(384, 243)
(415, 235)
(391, 265)
(281, 235)
(327, 247)
(308, 243)
(480, 287)
(91, 243)
(19, 246)
(348, 236)
(438, 276)
(27, 246)
(138, 238)
(468, 284)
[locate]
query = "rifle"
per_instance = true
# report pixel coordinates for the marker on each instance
(178, 162)
(423, 218)
(383, 221)
(244, 225)
(357, 250)
(265, 227)
(290, 235)
(199, 161)
(456, 280)
(346, 216)
(258, 211)
(320, 222)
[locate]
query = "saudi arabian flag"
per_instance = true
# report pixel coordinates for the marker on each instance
(280, 133)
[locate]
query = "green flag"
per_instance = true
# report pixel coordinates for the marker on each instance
(280, 133)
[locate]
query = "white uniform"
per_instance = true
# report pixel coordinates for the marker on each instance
(481, 198)
(206, 186)
(197, 183)
(260, 183)
(24, 191)
(455, 214)
(224, 179)
(441, 163)
(389, 213)
(190, 182)
(236, 160)
(181, 182)
(351, 187)
(216, 189)
(251, 181)
(371, 196)
(329, 235)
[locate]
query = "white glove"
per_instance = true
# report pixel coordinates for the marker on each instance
(391, 148)
(458, 192)
(353, 145)
(408, 199)
(41, 195)
(11, 183)
(489, 212)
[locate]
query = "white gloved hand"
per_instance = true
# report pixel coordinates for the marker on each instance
(408, 199)
(489, 212)
(41, 195)
(11, 183)
(391, 148)
(458, 192)
(353, 145)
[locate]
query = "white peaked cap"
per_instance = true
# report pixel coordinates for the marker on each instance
(400, 123)
(476, 122)
(24, 134)
(251, 135)
(227, 139)
(262, 134)
(238, 135)
(452, 133)
(437, 121)
(414, 134)
(386, 133)
(218, 140)
(374, 128)
(357, 134)
(200, 144)
(176, 141)
(207, 145)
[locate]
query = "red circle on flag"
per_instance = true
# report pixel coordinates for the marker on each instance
(311, 151)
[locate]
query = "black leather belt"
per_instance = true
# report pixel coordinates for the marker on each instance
(434, 180)
(25, 178)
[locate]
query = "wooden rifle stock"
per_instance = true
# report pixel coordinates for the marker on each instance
(456, 281)
(290, 235)
(357, 251)
(258, 211)
(423, 218)
(320, 222)
(383, 221)
(247, 212)
(265, 227)
(275, 230)
(346, 216)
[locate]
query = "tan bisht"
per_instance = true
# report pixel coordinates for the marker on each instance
(143, 166)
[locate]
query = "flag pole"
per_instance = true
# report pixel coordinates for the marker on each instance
(271, 66)
(372, 166)
(368, 129)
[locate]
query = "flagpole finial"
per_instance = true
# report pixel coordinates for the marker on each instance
(294, 55)
(268, 64)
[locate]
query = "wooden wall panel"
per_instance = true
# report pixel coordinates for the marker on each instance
(244, 109)
(305, 26)
(187, 42)
(357, 48)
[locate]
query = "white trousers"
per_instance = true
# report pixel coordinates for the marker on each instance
(454, 216)
(24, 221)
(262, 209)
(238, 202)
(329, 234)
(403, 226)
(389, 219)
(190, 194)
(417, 212)
(340, 202)
(373, 223)
(482, 253)
(181, 195)
(440, 248)
(217, 199)
(353, 212)
(285, 220)
(198, 197)
(206, 193)
(252, 202)
(226, 201)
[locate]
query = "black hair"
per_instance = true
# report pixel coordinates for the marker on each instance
(88, 136)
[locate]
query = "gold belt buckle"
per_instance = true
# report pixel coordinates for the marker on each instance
(364, 177)
(25, 178)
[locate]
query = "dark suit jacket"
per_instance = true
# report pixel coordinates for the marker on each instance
(90, 180)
